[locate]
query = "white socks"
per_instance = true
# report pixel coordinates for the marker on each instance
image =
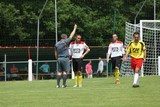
(135, 78)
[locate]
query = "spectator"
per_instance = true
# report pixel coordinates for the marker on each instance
(45, 70)
(2, 71)
(89, 70)
(14, 71)
(100, 67)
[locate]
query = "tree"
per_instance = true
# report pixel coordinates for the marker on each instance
(96, 19)
(10, 19)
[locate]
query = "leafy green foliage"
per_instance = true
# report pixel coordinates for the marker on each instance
(96, 19)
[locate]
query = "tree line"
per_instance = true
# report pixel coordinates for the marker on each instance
(96, 19)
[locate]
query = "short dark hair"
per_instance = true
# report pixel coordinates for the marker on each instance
(78, 35)
(136, 33)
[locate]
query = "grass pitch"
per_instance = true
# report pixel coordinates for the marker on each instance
(94, 93)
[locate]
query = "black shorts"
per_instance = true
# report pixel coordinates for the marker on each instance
(116, 62)
(42, 72)
(77, 64)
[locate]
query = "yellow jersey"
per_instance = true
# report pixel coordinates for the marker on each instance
(136, 50)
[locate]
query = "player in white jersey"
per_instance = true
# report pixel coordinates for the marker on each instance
(115, 51)
(76, 50)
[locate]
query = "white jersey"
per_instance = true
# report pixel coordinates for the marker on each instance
(76, 50)
(116, 49)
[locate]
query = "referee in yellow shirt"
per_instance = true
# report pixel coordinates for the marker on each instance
(137, 51)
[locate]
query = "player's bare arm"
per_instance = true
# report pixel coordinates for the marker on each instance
(86, 52)
(73, 32)
(123, 58)
(107, 57)
(126, 57)
(108, 54)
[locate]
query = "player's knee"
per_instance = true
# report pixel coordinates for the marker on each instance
(79, 73)
(59, 73)
(64, 73)
(137, 70)
(116, 67)
(75, 73)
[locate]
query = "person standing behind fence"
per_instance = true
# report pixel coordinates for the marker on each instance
(89, 70)
(77, 53)
(100, 67)
(14, 72)
(116, 51)
(45, 68)
(62, 57)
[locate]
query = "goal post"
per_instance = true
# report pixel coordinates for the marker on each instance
(158, 65)
(30, 70)
(150, 34)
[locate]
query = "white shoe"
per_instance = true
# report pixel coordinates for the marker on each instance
(57, 86)
(64, 86)
(75, 86)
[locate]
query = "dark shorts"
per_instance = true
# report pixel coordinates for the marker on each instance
(63, 64)
(116, 62)
(42, 72)
(136, 63)
(77, 64)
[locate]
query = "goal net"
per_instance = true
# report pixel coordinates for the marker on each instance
(150, 34)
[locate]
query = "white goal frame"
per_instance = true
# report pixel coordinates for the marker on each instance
(141, 37)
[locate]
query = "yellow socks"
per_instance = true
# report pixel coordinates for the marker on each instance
(76, 80)
(117, 73)
(80, 80)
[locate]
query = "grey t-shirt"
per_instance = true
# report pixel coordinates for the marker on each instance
(62, 48)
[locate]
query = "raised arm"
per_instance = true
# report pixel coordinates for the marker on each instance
(73, 32)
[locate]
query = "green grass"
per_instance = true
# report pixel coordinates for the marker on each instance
(94, 93)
